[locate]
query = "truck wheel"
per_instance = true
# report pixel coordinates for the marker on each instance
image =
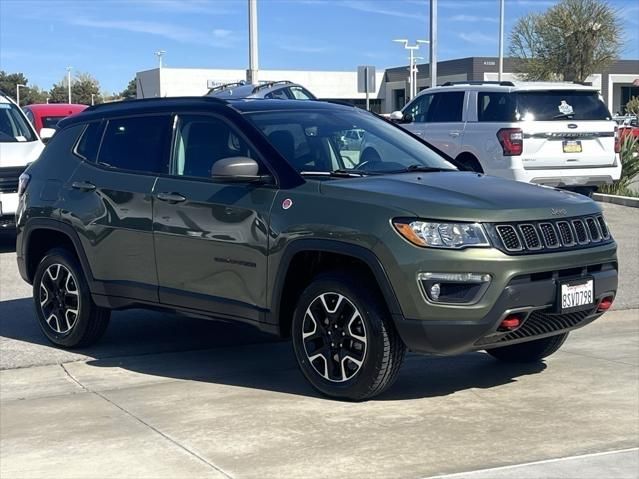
(66, 313)
(529, 352)
(343, 337)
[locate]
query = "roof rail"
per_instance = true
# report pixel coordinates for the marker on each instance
(270, 84)
(115, 104)
(226, 86)
(479, 82)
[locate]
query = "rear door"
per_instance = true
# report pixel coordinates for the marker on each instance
(565, 129)
(211, 235)
(438, 119)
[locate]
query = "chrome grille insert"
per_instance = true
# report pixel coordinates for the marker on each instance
(509, 237)
(593, 230)
(530, 237)
(549, 235)
(565, 233)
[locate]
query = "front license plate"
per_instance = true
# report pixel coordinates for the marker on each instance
(576, 295)
(572, 146)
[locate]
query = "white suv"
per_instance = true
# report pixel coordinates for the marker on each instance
(556, 134)
(19, 146)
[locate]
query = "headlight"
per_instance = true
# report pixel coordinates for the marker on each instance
(442, 235)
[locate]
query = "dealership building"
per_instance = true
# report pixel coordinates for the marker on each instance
(617, 84)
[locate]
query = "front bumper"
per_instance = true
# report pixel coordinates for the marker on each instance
(533, 295)
(8, 207)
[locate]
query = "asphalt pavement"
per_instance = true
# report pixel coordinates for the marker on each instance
(167, 396)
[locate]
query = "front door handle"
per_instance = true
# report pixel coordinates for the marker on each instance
(454, 134)
(83, 186)
(171, 197)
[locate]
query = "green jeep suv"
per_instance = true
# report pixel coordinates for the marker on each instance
(257, 211)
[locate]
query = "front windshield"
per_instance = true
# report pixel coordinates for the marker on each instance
(325, 141)
(13, 125)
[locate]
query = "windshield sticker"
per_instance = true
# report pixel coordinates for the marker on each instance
(4, 106)
(565, 108)
(20, 138)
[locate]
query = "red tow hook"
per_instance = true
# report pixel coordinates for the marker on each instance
(511, 322)
(605, 304)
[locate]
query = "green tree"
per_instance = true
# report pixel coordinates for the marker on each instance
(570, 41)
(82, 87)
(130, 92)
(28, 94)
(632, 107)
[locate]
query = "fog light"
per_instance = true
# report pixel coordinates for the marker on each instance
(434, 291)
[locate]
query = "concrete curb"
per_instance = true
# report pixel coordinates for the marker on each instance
(617, 200)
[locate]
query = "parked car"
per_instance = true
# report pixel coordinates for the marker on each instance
(246, 211)
(19, 145)
(279, 90)
(48, 115)
(556, 134)
(629, 127)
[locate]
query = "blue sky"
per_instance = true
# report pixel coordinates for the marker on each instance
(112, 39)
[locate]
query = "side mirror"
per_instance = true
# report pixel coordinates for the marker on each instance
(46, 134)
(396, 116)
(238, 168)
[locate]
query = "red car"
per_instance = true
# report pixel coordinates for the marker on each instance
(48, 115)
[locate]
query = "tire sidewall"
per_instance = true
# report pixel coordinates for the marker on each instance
(73, 337)
(372, 314)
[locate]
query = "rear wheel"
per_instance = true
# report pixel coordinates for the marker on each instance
(66, 313)
(529, 352)
(470, 163)
(343, 338)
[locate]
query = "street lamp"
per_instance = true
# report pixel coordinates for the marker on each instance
(69, 83)
(92, 99)
(160, 54)
(18, 86)
(412, 79)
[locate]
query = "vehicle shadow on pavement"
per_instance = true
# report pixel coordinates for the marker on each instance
(175, 347)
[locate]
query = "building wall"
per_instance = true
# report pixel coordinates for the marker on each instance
(192, 81)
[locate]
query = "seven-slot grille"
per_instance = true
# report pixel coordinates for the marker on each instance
(553, 235)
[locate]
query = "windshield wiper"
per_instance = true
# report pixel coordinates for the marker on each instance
(421, 168)
(338, 173)
(563, 115)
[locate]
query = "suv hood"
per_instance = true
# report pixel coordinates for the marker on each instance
(19, 153)
(462, 196)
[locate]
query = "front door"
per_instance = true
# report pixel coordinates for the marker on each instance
(211, 236)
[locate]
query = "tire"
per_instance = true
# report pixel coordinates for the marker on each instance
(59, 289)
(368, 337)
(529, 352)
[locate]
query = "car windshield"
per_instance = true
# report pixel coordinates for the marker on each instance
(13, 125)
(329, 141)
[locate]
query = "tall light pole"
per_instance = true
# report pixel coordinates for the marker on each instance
(412, 78)
(69, 82)
(433, 43)
(18, 86)
(160, 54)
(252, 72)
(501, 39)
(92, 99)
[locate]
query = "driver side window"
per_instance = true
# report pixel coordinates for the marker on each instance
(418, 109)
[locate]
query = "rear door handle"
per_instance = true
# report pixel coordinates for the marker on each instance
(171, 197)
(454, 134)
(83, 186)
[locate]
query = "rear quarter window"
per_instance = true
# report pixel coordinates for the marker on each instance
(89, 144)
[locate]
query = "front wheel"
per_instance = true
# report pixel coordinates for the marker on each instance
(529, 352)
(343, 337)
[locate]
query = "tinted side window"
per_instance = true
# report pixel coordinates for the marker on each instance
(418, 109)
(201, 141)
(495, 106)
(446, 107)
(137, 143)
(29, 116)
(300, 93)
(277, 94)
(88, 146)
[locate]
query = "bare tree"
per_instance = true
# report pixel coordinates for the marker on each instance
(570, 41)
